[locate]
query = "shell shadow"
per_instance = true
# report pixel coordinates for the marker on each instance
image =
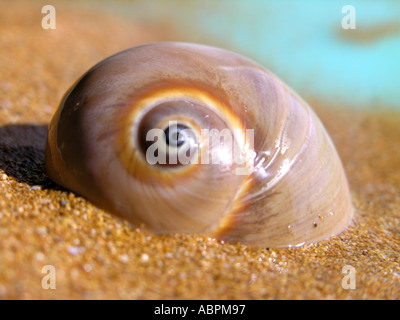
(22, 153)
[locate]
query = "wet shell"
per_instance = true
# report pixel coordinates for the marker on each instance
(276, 181)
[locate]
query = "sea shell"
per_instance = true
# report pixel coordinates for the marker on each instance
(276, 180)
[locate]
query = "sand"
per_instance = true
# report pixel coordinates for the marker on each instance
(97, 256)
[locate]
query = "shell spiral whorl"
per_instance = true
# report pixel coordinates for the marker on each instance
(289, 186)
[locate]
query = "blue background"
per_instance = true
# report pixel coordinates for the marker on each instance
(302, 42)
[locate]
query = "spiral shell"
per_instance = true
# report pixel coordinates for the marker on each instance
(275, 179)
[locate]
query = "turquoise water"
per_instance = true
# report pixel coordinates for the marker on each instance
(301, 41)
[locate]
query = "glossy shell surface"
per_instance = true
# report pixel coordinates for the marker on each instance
(285, 186)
